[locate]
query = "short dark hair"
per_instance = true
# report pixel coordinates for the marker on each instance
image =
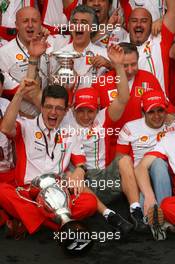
(129, 48)
(89, 10)
(55, 91)
(1, 77)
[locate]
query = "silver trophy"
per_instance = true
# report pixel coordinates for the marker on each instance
(64, 74)
(55, 198)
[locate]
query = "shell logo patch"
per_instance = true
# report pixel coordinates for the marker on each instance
(38, 135)
(112, 94)
(160, 135)
(19, 56)
(144, 138)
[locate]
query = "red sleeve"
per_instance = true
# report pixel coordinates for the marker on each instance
(78, 159)
(126, 9)
(157, 154)
(10, 93)
(124, 149)
(67, 11)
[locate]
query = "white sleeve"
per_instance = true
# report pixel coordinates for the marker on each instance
(125, 136)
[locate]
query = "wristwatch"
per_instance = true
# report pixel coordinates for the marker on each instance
(82, 167)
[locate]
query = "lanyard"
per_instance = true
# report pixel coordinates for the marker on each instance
(45, 140)
(23, 51)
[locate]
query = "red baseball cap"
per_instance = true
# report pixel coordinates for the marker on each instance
(153, 99)
(86, 97)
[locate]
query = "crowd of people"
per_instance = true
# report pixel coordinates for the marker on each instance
(110, 131)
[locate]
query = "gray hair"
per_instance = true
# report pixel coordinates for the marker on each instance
(89, 10)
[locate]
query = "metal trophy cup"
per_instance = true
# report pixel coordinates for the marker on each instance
(65, 75)
(55, 199)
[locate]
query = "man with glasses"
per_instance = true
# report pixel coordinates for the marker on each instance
(43, 146)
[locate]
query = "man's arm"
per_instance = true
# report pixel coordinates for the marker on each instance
(37, 48)
(117, 107)
(9, 119)
(143, 180)
(169, 18)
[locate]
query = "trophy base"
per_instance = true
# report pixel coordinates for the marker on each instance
(75, 238)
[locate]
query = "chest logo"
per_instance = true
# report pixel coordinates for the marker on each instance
(38, 135)
(139, 91)
(19, 56)
(160, 135)
(144, 138)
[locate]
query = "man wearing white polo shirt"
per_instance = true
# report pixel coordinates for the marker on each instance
(14, 56)
(153, 51)
(94, 60)
(42, 147)
(137, 138)
(96, 128)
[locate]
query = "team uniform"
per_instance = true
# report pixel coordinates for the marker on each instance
(40, 152)
(107, 91)
(154, 56)
(6, 151)
(136, 138)
(165, 150)
(99, 153)
(14, 63)
(7, 24)
(83, 65)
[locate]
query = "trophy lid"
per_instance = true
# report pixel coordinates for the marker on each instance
(67, 54)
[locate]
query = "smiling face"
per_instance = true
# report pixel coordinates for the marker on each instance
(101, 8)
(155, 117)
(81, 28)
(53, 111)
(28, 24)
(131, 65)
(139, 26)
(85, 116)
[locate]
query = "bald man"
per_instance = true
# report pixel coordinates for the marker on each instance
(153, 51)
(14, 56)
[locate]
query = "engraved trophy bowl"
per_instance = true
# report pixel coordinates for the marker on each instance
(54, 199)
(65, 75)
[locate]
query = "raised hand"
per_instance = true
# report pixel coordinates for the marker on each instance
(38, 45)
(115, 18)
(116, 54)
(28, 88)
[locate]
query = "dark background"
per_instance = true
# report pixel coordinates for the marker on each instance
(136, 248)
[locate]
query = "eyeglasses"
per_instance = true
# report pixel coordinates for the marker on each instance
(57, 108)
